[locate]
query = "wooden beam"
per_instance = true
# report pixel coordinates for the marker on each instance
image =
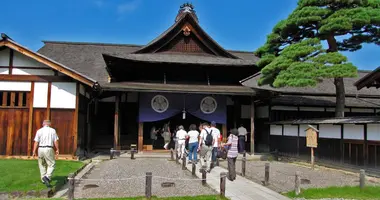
(13, 99)
(5, 77)
(26, 67)
(75, 123)
(252, 144)
(48, 101)
(116, 123)
(11, 61)
(30, 121)
(48, 62)
(5, 99)
(140, 136)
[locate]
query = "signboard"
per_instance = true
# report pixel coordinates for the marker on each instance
(311, 137)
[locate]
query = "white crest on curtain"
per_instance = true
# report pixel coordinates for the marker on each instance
(159, 103)
(208, 105)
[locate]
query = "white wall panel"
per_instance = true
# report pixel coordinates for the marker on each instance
(333, 110)
(4, 57)
(40, 95)
(290, 130)
(275, 130)
(24, 61)
(373, 132)
(362, 110)
(4, 71)
(318, 109)
(303, 128)
(329, 131)
(284, 108)
(63, 95)
(38, 72)
(245, 111)
(353, 132)
(262, 112)
(15, 86)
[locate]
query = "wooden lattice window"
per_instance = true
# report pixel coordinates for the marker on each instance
(14, 99)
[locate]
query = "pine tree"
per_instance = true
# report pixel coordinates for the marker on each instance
(294, 55)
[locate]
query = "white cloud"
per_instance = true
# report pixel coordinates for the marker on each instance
(128, 6)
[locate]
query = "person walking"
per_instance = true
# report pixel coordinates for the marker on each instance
(232, 154)
(205, 147)
(242, 138)
(193, 143)
(216, 137)
(166, 135)
(45, 140)
(181, 136)
(153, 135)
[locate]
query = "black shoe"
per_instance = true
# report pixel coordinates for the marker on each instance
(46, 181)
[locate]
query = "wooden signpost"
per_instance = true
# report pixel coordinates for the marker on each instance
(311, 141)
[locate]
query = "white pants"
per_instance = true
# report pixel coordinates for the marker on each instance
(205, 154)
(46, 162)
(181, 148)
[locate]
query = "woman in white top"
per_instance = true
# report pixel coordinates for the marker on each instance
(193, 143)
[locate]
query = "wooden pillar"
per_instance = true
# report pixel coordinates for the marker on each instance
(298, 140)
(341, 143)
(11, 53)
(116, 139)
(89, 126)
(140, 136)
(48, 101)
(30, 120)
(75, 122)
(252, 144)
(224, 130)
(365, 146)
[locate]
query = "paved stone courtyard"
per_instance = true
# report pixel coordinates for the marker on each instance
(282, 175)
(124, 168)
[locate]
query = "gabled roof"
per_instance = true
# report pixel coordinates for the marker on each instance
(370, 80)
(325, 88)
(7, 42)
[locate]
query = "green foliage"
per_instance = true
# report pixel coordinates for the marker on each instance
(369, 192)
(293, 54)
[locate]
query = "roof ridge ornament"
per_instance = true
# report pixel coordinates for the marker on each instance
(184, 9)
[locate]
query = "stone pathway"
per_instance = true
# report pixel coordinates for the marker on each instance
(241, 188)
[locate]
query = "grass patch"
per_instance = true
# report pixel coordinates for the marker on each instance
(24, 175)
(207, 197)
(369, 192)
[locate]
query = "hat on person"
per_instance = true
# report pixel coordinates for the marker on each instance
(213, 123)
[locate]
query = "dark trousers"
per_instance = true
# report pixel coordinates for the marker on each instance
(241, 144)
(231, 169)
(214, 154)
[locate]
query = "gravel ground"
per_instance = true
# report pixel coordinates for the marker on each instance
(123, 168)
(282, 175)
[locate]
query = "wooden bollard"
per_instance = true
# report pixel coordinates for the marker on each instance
(148, 185)
(193, 168)
(362, 179)
(217, 162)
(297, 188)
(223, 176)
(70, 192)
(111, 154)
(176, 158)
(243, 162)
(171, 154)
(266, 180)
(132, 153)
(184, 162)
(204, 176)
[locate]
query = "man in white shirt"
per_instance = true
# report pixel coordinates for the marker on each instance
(216, 136)
(181, 137)
(45, 140)
(205, 147)
(242, 138)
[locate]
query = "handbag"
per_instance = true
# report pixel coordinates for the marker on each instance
(222, 153)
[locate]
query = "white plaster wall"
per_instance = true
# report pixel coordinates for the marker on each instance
(132, 97)
(329, 131)
(4, 71)
(40, 95)
(4, 57)
(362, 110)
(24, 61)
(39, 72)
(284, 108)
(333, 110)
(275, 130)
(318, 109)
(353, 132)
(303, 128)
(15, 86)
(262, 112)
(373, 132)
(63, 95)
(245, 111)
(290, 130)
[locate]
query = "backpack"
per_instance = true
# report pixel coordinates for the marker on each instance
(209, 139)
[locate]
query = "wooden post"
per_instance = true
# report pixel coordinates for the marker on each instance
(362, 179)
(298, 140)
(224, 130)
(184, 162)
(111, 154)
(223, 176)
(30, 120)
(341, 143)
(365, 146)
(266, 180)
(75, 124)
(11, 56)
(204, 176)
(217, 162)
(193, 168)
(48, 115)
(70, 193)
(297, 188)
(312, 158)
(176, 158)
(252, 144)
(243, 162)
(148, 185)
(141, 136)
(116, 144)
(171, 155)
(132, 153)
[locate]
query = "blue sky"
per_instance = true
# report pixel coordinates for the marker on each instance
(236, 25)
